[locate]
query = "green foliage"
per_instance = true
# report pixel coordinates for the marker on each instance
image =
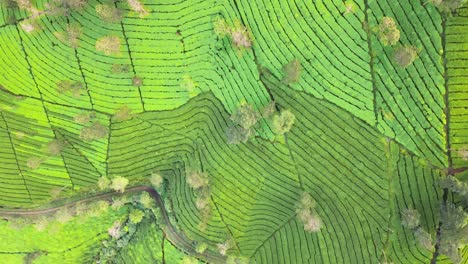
(283, 122)
(197, 179)
(189, 260)
(238, 134)
(146, 200)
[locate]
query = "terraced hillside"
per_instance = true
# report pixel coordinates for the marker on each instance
(275, 131)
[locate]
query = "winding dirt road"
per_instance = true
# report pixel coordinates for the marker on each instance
(172, 234)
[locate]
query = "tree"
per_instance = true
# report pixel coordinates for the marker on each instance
(94, 132)
(269, 109)
(156, 179)
(201, 247)
(69, 86)
(224, 247)
(410, 218)
(245, 116)
(119, 184)
(84, 117)
(448, 5)
(240, 36)
(124, 113)
(307, 215)
(55, 147)
(424, 239)
(389, 34)
(197, 179)
(136, 216)
(146, 201)
(109, 13)
(120, 68)
(236, 134)
(64, 7)
(404, 56)
(137, 7)
(34, 162)
(189, 260)
(453, 231)
(137, 81)
(292, 72)
(109, 45)
(283, 122)
(71, 36)
(30, 25)
(115, 230)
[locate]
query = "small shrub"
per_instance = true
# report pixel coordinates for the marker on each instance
(189, 260)
(405, 56)
(136, 216)
(109, 45)
(117, 203)
(156, 180)
(389, 34)
(221, 27)
(55, 147)
(94, 132)
(137, 7)
(119, 184)
(224, 247)
(71, 36)
(283, 122)
(109, 13)
(292, 72)
(245, 116)
(410, 218)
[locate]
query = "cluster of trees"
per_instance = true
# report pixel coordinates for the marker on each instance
(117, 183)
(307, 214)
(245, 118)
(200, 182)
(238, 33)
(389, 35)
(410, 218)
(53, 148)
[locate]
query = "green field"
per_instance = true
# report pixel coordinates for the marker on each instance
(358, 138)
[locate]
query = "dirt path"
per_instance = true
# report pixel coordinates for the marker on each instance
(172, 234)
